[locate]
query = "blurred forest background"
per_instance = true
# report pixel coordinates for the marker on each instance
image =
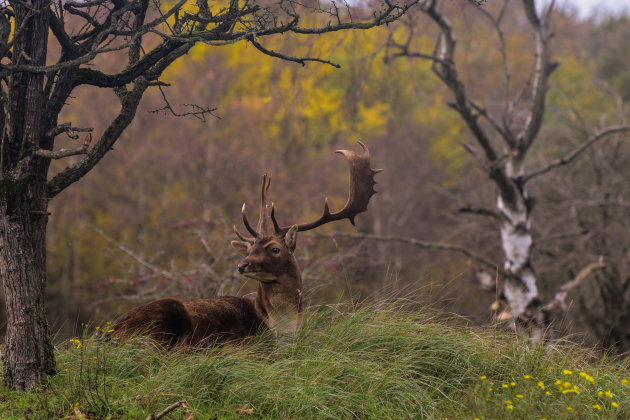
(155, 218)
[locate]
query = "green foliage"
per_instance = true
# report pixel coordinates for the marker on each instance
(383, 362)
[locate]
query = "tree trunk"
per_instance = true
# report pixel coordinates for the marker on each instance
(28, 356)
(519, 288)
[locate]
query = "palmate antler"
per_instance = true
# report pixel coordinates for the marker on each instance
(361, 190)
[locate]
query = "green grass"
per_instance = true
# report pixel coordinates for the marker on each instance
(367, 363)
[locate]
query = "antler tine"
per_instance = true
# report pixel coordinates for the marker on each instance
(261, 228)
(246, 222)
(276, 227)
(241, 236)
(361, 190)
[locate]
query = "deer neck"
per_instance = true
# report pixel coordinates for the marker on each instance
(279, 303)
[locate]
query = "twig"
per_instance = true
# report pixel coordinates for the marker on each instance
(132, 254)
(166, 410)
(575, 153)
(418, 243)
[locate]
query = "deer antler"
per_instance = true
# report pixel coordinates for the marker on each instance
(261, 227)
(361, 190)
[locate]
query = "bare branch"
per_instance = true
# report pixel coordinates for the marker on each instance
(62, 153)
(301, 61)
(560, 297)
(132, 254)
(198, 111)
(482, 212)
(579, 150)
(543, 68)
(420, 244)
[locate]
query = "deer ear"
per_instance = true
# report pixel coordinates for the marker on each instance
(290, 238)
(242, 247)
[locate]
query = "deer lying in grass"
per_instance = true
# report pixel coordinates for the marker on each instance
(269, 260)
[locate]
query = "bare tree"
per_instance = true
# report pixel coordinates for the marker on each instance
(503, 139)
(145, 38)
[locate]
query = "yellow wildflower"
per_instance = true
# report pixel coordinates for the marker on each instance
(567, 372)
(548, 393)
(600, 393)
(587, 377)
(510, 407)
(625, 381)
(608, 394)
(110, 331)
(527, 376)
(504, 385)
(519, 396)
(483, 377)
(569, 408)
(614, 404)
(541, 385)
(513, 383)
(597, 406)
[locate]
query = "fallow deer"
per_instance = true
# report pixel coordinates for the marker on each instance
(268, 258)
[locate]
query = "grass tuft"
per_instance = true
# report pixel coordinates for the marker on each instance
(373, 362)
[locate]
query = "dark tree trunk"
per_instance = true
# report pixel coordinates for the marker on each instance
(28, 356)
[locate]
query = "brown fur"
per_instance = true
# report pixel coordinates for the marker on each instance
(202, 322)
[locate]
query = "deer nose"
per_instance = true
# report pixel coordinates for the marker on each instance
(242, 266)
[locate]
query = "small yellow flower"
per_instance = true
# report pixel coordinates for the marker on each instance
(541, 385)
(547, 392)
(625, 381)
(94, 357)
(567, 372)
(600, 393)
(483, 377)
(110, 331)
(490, 389)
(527, 376)
(504, 385)
(98, 328)
(597, 407)
(519, 395)
(109, 323)
(614, 404)
(67, 370)
(510, 407)
(558, 382)
(608, 394)
(587, 377)
(513, 383)
(569, 408)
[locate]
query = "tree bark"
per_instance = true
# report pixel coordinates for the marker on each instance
(28, 357)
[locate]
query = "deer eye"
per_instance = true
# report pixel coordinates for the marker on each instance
(275, 250)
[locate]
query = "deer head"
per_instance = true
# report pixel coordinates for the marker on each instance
(269, 255)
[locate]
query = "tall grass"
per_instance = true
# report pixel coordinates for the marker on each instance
(373, 362)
